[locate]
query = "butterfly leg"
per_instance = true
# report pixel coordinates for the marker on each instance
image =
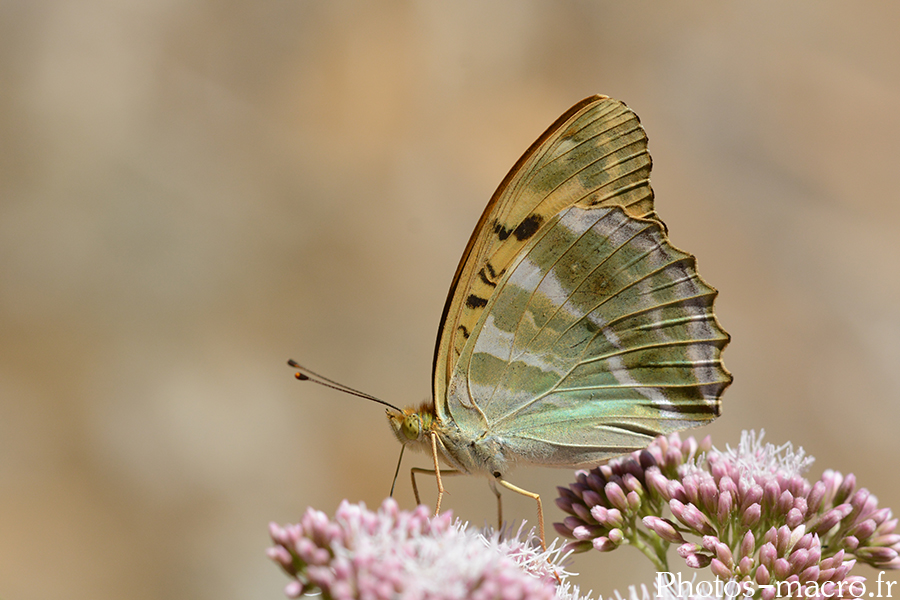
(437, 474)
(499, 504)
(415, 486)
(536, 498)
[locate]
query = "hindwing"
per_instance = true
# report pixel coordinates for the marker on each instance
(600, 337)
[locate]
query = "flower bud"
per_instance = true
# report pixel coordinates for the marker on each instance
(686, 549)
(850, 543)
(881, 515)
(891, 539)
(691, 483)
(798, 560)
(723, 554)
(771, 492)
(827, 521)
(783, 540)
(673, 457)
(563, 502)
(582, 512)
(692, 517)
(675, 490)
(768, 554)
(785, 502)
(748, 544)
(876, 554)
(616, 496)
(657, 483)
(816, 496)
(697, 561)
(864, 530)
(284, 559)
(841, 570)
(708, 496)
(794, 518)
(832, 480)
(815, 553)
(603, 544)
(720, 570)
(751, 516)
(725, 505)
(608, 517)
(632, 483)
(592, 498)
(647, 459)
(664, 528)
(845, 489)
(753, 495)
(634, 501)
(594, 481)
(717, 468)
(705, 444)
(781, 569)
(797, 534)
(859, 501)
(744, 566)
(810, 574)
(805, 541)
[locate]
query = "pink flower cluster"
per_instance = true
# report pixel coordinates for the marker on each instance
(752, 515)
(399, 554)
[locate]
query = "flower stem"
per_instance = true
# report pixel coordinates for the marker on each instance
(655, 552)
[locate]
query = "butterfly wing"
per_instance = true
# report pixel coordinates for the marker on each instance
(591, 334)
(594, 154)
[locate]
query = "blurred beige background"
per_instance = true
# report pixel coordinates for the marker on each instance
(193, 192)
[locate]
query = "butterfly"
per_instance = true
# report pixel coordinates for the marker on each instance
(573, 331)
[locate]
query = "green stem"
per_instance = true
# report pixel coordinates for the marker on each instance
(654, 551)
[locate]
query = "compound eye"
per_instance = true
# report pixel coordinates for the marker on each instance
(412, 425)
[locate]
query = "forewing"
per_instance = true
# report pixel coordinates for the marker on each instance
(593, 155)
(600, 336)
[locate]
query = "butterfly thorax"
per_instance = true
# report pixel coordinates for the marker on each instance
(484, 454)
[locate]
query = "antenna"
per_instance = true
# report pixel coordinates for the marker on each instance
(304, 374)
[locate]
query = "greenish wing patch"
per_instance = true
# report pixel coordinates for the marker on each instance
(601, 336)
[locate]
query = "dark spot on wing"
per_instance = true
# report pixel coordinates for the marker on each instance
(528, 227)
(501, 231)
(474, 301)
(483, 276)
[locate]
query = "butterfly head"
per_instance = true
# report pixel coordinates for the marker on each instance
(411, 424)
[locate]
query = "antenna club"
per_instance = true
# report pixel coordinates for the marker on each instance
(304, 374)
